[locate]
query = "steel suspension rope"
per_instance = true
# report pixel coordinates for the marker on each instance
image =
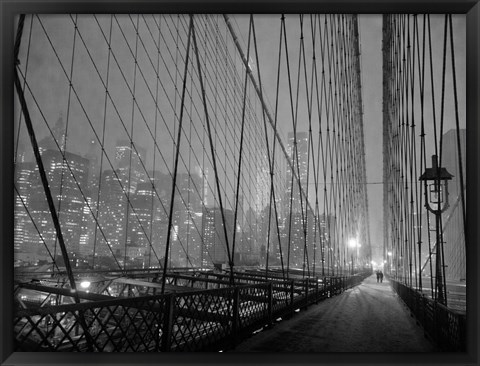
(152, 205)
(129, 178)
(271, 159)
(172, 196)
(241, 149)
(212, 148)
(304, 215)
(102, 142)
(457, 125)
(23, 87)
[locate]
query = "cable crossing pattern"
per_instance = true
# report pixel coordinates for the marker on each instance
(162, 150)
(424, 154)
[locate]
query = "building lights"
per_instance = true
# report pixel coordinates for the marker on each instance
(85, 284)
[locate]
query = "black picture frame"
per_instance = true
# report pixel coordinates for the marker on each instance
(10, 8)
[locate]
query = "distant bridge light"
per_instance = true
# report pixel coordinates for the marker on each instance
(352, 243)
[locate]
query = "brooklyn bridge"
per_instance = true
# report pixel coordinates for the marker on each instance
(207, 183)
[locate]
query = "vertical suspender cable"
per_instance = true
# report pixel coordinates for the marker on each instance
(271, 159)
(247, 70)
(64, 147)
(102, 143)
(230, 261)
(457, 124)
(172, 196)
(129, 187)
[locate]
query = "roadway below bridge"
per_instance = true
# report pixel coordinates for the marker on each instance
(367, 318)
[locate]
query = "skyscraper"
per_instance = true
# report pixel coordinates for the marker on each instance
(112, 215)
(188, 219)
(57, 138)
(23, 229)
(130, 163)
(214, 242)
(64, 179)
(295, 222)
(300, 166)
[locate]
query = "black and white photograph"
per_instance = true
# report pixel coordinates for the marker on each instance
(240, 183)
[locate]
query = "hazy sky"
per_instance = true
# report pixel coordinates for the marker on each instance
(370, 28)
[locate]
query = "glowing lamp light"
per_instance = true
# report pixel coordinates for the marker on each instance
(352, 243)
(85, 284)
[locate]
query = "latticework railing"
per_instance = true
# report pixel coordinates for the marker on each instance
(445, 326)
(211, 319)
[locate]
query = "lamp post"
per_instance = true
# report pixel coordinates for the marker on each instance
(436, 201)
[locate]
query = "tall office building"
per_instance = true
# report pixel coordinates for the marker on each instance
(294, 224)
(112, 215)
(187, 220)
(58, 139)
(301, 170)
(214, 248)
(23, 227)
(130, 163)
(67, 198)
(326, 242)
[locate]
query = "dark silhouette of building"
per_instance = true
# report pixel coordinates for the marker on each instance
(214, 242)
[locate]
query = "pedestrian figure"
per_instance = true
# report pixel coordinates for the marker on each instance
(378, 275)
(381, 276)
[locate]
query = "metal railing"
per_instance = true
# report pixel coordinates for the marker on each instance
(446, 327)
(207, 320)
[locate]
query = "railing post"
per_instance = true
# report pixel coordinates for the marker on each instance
(235, 315)
(292, 285)
(306, 292)
(158, 328)
(316, 290)
(270, 304)
(168, 322)
(462, 329)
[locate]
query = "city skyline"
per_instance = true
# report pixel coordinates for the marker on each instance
(205, 234)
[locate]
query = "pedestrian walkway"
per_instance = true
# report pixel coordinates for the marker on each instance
(368, 318)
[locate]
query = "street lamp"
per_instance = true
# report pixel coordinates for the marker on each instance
(436, 201)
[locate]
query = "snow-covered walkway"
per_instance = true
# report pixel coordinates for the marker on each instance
(368, 318)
